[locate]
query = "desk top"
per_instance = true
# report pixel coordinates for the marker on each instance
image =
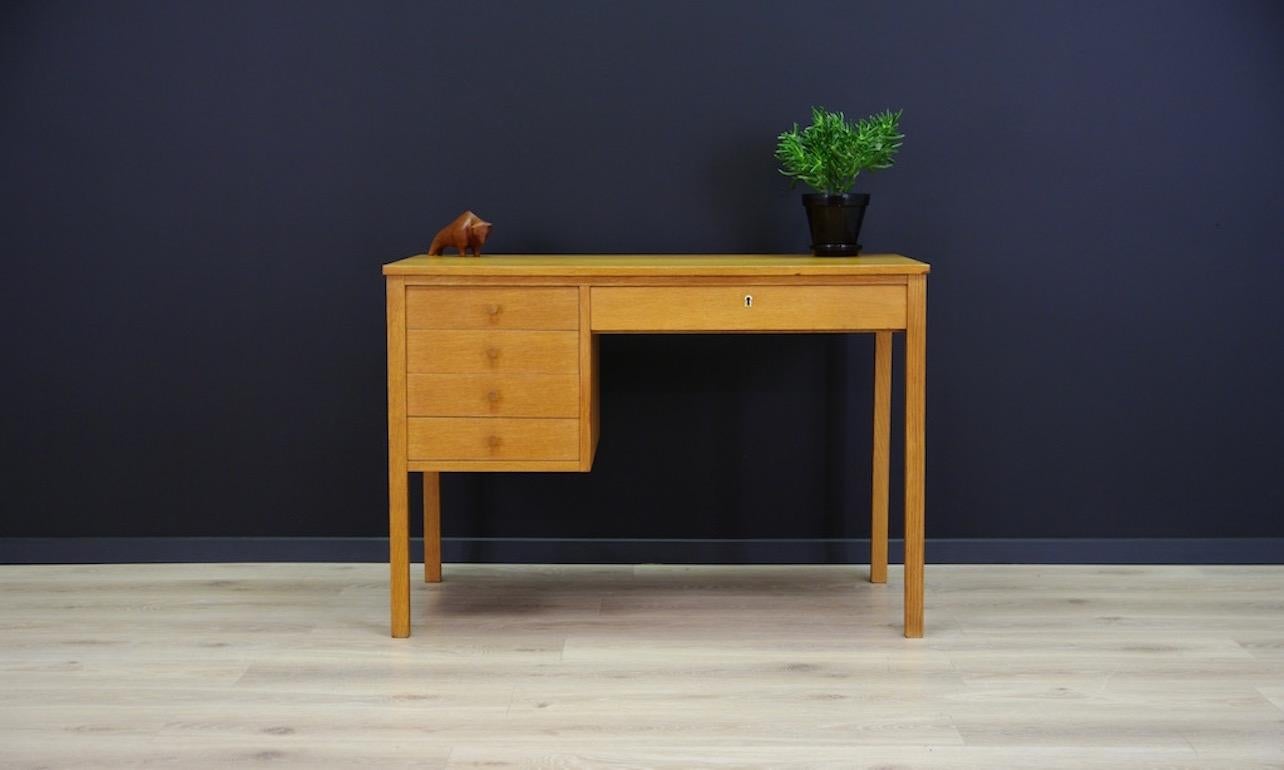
(763, 265)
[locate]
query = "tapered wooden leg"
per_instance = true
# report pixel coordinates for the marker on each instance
(882, 441)
(399, 553)
(432, 527)
(398, 491)
(915, 423)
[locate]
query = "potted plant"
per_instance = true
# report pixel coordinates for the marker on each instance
(827, 156)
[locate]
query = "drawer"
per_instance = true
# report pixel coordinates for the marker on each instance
(501, 307)
(748, 308)
(492, 438)
(493, 395)
(445, 352)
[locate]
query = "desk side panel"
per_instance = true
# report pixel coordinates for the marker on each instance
(588, 381)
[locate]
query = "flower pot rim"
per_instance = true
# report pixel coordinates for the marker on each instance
(811, 198)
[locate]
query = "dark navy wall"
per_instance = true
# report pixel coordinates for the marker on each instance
(197, 198)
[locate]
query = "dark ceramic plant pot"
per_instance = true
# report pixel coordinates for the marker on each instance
(835, 222)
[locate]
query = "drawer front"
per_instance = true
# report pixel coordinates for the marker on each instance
(468, 307)
(748, 308)
(493, 395)
(471, 351)
(492, 438)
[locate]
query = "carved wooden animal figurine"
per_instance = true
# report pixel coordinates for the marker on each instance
(468, 231)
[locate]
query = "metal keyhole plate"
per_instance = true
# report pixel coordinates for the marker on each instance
(748, 300)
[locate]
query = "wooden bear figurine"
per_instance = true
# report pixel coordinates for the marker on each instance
(468, 231)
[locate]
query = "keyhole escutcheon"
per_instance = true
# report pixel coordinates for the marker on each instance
(748, 300)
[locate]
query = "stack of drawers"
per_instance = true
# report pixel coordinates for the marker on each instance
(493, 374)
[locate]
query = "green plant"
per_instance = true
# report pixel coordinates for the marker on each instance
(829, 154)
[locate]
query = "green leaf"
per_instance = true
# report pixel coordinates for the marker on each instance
(829, 154)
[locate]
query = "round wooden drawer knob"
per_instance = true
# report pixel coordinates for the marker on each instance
(494, 441)
(493, 396)
(493, 310)
(492, 353)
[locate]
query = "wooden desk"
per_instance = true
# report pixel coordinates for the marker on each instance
(493, 366)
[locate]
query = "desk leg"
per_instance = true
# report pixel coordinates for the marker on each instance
(915, 391)
(432, 527)
(882, 441)
(398, 473)
(399, 552)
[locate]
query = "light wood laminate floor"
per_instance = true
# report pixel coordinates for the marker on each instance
(290, 665)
